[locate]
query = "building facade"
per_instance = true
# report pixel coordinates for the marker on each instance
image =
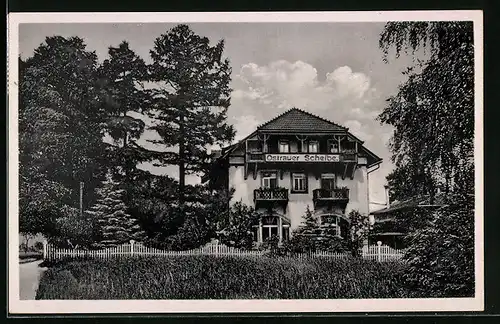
(294, 162)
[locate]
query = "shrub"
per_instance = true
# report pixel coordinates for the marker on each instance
(311, 237)
(440, 256)
(238, 230)
(206, 277)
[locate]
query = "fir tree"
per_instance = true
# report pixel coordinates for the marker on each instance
(116, 225)
(191, 99)
(123, 75)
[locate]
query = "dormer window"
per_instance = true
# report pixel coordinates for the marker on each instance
(284, 147)
(313, 147)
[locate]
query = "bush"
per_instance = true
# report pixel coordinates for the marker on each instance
(440, 256)
(206, 277)
(237, 232)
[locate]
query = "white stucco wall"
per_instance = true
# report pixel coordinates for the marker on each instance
(298, 202)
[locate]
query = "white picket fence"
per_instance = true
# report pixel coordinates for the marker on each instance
(133, 249)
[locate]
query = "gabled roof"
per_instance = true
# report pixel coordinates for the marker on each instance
(422, 201)
(296, 120)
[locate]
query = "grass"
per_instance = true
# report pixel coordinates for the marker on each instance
(205, 277)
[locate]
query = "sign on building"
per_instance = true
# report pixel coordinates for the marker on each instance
(302, 158)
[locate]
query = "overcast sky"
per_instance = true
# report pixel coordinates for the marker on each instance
(334, 70)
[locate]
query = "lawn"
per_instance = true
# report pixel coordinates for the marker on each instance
(206, 277)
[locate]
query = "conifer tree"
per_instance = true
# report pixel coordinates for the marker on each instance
(191, 100)
(116, 225)
(123, 74)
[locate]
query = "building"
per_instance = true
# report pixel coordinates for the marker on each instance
(391, 224)
(294, 161)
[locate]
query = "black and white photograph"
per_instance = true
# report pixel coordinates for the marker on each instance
(240, 162)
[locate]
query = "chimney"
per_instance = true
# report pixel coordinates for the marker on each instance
(387, 203)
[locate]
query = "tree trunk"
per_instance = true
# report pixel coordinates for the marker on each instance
(127, 162)
(182, 170)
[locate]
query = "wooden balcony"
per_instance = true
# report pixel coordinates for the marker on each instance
(270, 197)
(326, 196)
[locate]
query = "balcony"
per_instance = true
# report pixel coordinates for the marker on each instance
(270, 197)
(326, 196)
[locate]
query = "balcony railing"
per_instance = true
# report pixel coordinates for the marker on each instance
(338, 194)
(270, 194)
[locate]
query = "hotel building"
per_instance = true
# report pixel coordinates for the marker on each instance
(294, 161)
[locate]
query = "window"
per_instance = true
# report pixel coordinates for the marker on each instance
(328, 181)
(333, 146)
(269, 180)
(269, 227)
(286, 233)
(313, 147)
(294, 148)
(299, 182)
(331, 222)
(284, 147)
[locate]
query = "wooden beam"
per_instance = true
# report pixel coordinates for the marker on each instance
(353, 171)
(345, 171)
(255, 172)
(245, 175)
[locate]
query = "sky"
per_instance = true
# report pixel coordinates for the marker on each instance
(334, 70)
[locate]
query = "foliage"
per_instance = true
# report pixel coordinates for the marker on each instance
(193, 224)
(440, 256)
(237, 231)
(115, 224)
(358, 231)
(60, 131)
(205, 277)
(123, 75)
(432, 146)
(433, 112)
(191, 103)
(75, 230)
(312, 236)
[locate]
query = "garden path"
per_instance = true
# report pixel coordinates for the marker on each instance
(29, 278)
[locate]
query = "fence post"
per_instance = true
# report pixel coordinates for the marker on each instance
(379, 254)
(45, 249)
(132, 247)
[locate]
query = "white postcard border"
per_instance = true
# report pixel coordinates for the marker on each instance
(17, 306)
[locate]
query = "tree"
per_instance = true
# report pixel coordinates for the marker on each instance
(237, 232)
(432, 146)
(191, 102)
(433, 112)
(358, 232)
(311, 236)
(202, 215)
(77, 230)
(60, 132)
(116, 225)
(122, 75)
(440, 256)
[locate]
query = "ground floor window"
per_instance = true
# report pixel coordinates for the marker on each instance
(335, 224)
(270, 226)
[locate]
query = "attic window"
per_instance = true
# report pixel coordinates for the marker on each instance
(284, 147)
(313, 147)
